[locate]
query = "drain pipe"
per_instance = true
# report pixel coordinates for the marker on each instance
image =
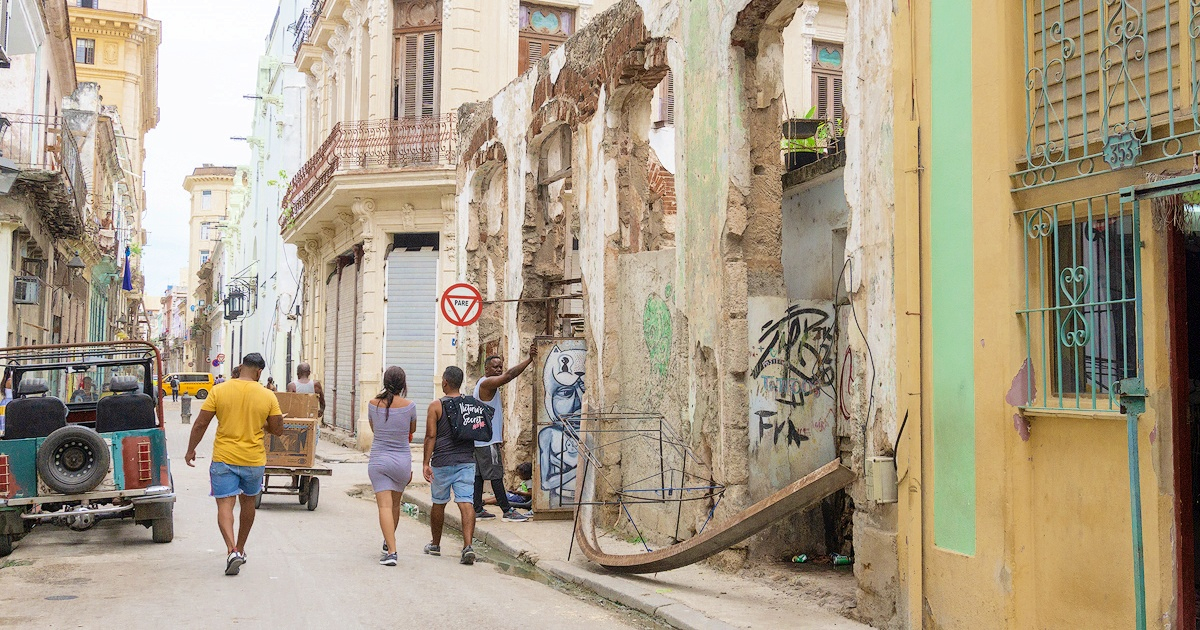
(1133, 404)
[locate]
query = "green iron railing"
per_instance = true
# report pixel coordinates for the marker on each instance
(1109, 83)
(1082, 311)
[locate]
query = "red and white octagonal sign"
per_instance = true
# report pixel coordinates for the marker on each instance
(462, 304)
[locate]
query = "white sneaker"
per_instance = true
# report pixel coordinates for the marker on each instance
(233, 564)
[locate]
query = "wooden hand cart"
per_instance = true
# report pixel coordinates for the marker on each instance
(302, 482)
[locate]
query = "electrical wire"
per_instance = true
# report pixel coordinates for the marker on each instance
(866, 342)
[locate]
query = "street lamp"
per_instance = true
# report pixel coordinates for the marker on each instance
(76, 263)
(235, 304)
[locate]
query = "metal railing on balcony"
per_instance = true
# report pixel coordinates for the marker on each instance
(42, 143)
(367, 145)
(1108, 85)
(304, 25)
(34, 142)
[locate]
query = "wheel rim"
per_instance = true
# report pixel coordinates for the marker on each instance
(74, 459)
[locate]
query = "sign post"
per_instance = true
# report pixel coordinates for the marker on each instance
(462, 304)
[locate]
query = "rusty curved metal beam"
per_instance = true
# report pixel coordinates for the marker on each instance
(800, 494)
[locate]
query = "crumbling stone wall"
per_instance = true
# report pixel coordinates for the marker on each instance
(671, 266)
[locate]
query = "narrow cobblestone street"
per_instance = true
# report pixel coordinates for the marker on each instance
(306, 570)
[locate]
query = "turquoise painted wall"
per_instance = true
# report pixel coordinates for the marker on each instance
(952, 285)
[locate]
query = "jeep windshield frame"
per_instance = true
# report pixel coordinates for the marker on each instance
(95, 360)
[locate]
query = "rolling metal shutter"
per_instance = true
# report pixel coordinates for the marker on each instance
(347, 329)
(410, 340)
(329, 378)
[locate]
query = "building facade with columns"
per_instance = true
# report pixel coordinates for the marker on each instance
(372, 211)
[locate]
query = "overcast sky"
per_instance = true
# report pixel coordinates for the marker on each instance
(207, 61)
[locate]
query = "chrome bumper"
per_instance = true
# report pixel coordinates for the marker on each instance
(153, 493)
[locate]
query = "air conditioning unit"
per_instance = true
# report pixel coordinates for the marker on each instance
(25, 290)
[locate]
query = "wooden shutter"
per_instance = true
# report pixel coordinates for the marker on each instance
(417, 75)
(542, 30)
(669, 99)
(827, 94)
(532, 50)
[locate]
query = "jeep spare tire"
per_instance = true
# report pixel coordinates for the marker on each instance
(73, 460)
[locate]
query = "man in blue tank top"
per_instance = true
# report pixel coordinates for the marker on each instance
(489, 465)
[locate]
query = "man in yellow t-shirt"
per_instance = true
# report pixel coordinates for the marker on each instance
(244, 410)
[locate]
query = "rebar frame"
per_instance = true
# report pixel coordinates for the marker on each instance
(593, 432)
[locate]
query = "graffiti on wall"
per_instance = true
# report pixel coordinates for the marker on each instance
(562, 389)
(657, 330)
(792, 386)
(801, 344)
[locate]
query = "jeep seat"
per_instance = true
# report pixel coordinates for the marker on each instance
(33, 415)
(126, 409)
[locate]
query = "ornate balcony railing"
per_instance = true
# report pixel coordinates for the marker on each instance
(49, 159)
(370, 145)
(304, 25)
(1109, 84)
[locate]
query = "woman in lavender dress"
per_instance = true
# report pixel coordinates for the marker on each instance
(393, 420)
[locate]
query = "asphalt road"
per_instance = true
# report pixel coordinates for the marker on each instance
(306, 570)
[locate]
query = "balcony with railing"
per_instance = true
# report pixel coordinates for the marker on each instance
(51, 170)
(304, 26)
(370, 146)
(1108, 85)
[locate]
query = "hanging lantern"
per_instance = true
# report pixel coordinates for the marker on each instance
(235, 304)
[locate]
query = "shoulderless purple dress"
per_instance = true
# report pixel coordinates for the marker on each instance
(390, 466)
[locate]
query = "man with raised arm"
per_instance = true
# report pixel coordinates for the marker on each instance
(489, 465)
(244, 410)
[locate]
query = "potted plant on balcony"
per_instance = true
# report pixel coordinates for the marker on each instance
(831, 135)
(804, 127)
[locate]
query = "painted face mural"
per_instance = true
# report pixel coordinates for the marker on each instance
(562, 379)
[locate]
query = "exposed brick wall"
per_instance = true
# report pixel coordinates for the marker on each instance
(662, 183)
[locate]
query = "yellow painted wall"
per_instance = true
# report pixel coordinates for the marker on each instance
(1053, 525)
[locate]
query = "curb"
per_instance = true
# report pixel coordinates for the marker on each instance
(610, 587)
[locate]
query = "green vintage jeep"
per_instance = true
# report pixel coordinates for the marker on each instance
(82, 441)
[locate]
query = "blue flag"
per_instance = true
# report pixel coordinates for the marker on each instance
(127, 283)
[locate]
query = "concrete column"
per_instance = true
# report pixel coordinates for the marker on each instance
(382, 43)
(798, 44)
(374, 317)
(6, 278)
(461, 38)
(448, 343)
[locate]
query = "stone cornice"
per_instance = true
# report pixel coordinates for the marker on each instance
(113, 24)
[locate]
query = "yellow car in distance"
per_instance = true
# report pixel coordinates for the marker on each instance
(195, 384)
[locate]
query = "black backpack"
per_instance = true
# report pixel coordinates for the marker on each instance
(469, 419)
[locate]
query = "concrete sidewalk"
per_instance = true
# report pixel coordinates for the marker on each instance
(694, 597)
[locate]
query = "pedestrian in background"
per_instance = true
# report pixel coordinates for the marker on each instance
(489, 465)
(271, 383)
(221, 378)
(393, 421)
(174, 388)
(244, 410)
(449, 467)
(305, 384)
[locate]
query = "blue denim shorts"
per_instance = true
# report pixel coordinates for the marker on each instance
(229, 481)
(457, 477)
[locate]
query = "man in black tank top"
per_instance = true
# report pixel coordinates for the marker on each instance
(449, 468)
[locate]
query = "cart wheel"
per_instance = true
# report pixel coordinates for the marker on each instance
(304, 486)
(6, 545)
(258, 500)
(314, 493)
